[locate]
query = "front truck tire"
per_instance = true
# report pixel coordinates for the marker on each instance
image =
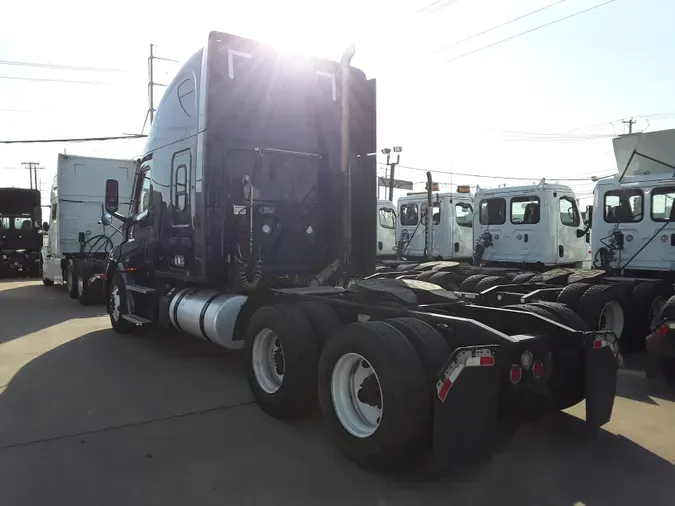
(87, 295)
(282, 355)
(115, 304)
(373, 394)
(71, 277)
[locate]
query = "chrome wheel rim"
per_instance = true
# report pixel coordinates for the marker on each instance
(655, 312)
(612, 318)
(356, 395)
(115, 303)
(269, 364)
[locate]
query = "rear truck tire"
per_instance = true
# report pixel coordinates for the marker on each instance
(430, 346)
(383, 268)
(323, 320)
(115, 304)
(571, 294)
(282, 355)
(668, 310)
(406, 267)
(448, 280)
(603, 307)
(469, 284)
(489, 282)
(649, 298)
(86, 294)
(72, 268)
(523, 277)
(426, 276)
(373, 395)
(563, 314)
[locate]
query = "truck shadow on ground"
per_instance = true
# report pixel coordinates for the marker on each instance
(633, 383)
(111, 419)
(27, 308)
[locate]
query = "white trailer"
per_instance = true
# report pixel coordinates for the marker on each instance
(76, 235)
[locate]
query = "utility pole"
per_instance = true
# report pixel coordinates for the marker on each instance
(32, 169)
(630, 124)
(392, 166)
(151, 85)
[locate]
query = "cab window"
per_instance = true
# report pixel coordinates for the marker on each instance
(525, 210)
(569, 214)
(436, 212)
(464, 214)
(662, 204)
(143, 195)
(623, 206)
(409, 214)
(492, 211)
(387, 217)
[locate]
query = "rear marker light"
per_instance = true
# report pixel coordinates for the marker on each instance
(466, 358)
(516, 374)
(526, 360)
(599, 343)
(538, 369)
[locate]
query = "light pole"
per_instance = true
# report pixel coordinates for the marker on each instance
(392, 166)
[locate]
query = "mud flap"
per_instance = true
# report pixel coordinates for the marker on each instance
(601, 377)
(466, 404)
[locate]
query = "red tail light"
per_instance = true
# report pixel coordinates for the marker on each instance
(538, 369)
(516, 374)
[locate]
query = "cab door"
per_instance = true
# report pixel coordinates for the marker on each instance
(137, 251)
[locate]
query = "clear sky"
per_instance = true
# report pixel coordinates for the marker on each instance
(483, 113)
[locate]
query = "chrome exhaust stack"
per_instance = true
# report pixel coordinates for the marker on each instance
(345, 162)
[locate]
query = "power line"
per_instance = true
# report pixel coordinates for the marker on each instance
(430, 6)
(501, 25)
(85, 139)
(447, 3)
(52, 80)
(60, 67)
(558, 20)
(464, 174)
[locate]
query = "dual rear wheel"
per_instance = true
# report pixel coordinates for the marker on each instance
(372, 381)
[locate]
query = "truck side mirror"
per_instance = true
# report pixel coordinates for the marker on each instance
(580, 233)
(588, 237)
(589, 215)
(111, 195)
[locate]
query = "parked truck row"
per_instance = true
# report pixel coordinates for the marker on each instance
(249, 221)
(533, 241)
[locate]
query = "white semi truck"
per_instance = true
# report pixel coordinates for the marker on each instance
(78, 242)
(386, 229)
(451, 230)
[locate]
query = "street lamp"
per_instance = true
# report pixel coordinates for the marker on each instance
(392, 166)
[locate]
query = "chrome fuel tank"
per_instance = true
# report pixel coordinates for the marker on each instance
(208, 314)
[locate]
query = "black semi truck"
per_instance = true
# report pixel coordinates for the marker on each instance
(251, 225)
(20, 232)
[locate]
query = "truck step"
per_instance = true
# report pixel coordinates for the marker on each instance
(140, 289)
(138, 320)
